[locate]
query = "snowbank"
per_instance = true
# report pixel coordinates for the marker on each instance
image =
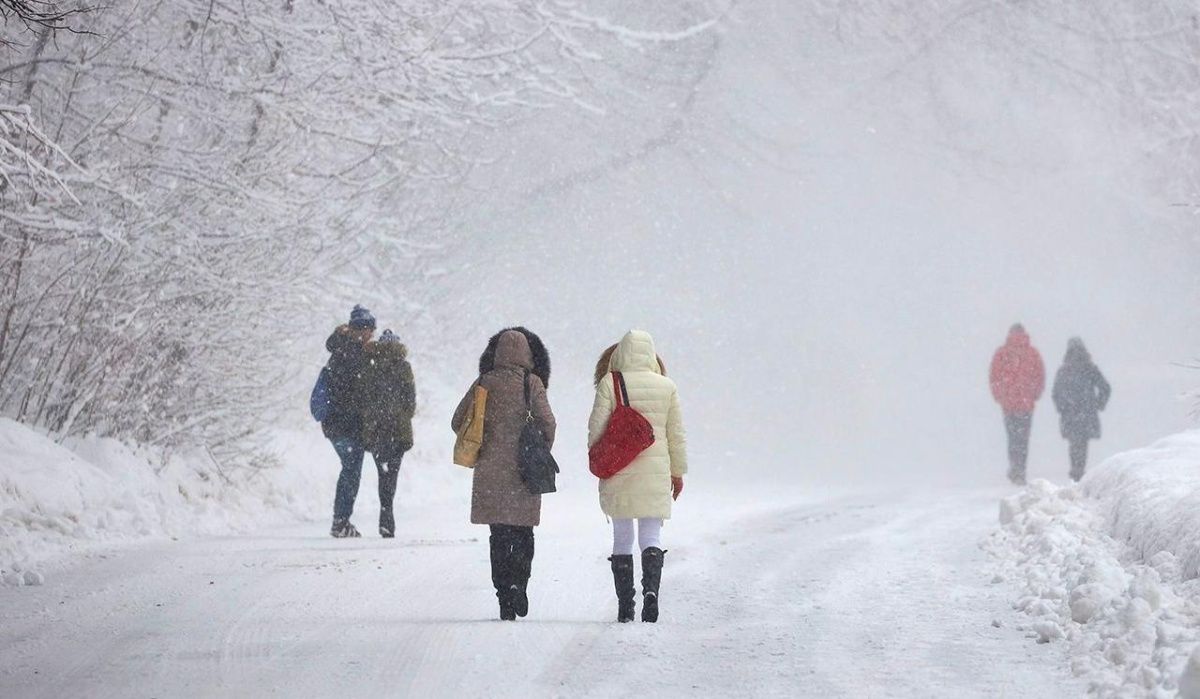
(57, 501)
(62, 500)
(1109, 567)
(1150, 499)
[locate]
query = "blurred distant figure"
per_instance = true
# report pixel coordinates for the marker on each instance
(1080, 393)
(1018, 378)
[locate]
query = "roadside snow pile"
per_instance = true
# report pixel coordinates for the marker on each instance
(57, 499)
(1110, 567)
(1150, 499)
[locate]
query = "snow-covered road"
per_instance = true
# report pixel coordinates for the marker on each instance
(859, 595)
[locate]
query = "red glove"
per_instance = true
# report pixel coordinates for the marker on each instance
(676, 486)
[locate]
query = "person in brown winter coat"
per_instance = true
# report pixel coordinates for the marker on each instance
(499, 497)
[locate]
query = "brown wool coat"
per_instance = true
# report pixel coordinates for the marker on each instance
(498, 496)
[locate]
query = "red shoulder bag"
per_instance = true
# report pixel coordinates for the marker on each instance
(627, 435)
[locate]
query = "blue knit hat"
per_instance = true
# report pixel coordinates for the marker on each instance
(362, 318)
(389, 336)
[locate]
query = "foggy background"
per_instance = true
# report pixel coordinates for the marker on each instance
(828, 217)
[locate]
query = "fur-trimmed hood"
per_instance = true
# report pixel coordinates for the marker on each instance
(541, 358)
(387, 351)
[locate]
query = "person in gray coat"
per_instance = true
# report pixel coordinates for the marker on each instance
(1080, 393)
(499, 497)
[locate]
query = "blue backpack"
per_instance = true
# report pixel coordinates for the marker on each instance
(319, 402)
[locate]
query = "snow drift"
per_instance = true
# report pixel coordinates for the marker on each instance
(59, 501)
(1110, 567)
(1150, 499)
(64, 499)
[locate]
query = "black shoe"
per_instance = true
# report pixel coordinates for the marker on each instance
(622, 569)
(387, 524)
(342, 529)
(652, 565)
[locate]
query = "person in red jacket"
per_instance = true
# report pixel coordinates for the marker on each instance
(1018, 378)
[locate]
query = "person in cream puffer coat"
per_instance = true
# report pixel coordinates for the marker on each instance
(645, 489)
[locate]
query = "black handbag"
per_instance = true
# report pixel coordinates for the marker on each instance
(536, 463)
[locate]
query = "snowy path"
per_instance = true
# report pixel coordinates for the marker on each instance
(859, 596)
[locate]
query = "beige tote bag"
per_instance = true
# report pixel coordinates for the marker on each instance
(470, 433)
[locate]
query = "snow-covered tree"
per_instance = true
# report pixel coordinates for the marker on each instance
(216, 165)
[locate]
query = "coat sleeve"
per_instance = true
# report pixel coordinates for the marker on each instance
(408, 390)
(1039, 375)
(602, 408)
(1104, 390)
(994, 376)
(1059, 391)
(676, 437)
(541, 409)
(460, 413)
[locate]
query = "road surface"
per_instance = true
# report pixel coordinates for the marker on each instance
(858, 595)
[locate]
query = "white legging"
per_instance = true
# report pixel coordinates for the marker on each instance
(649, 533)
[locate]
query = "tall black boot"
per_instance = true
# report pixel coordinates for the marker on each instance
(522, 567)
(501, 554)
(622, 570)
(652, 565)
(387, 523)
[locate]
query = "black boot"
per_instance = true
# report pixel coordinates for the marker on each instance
(652, 565)
(501, 555)
(622, 570)
(387, 524)
(522, 567)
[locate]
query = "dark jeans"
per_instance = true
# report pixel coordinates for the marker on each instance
(1018, 427)
(350, 451)
(1078, 451)
(388, 472)
(512, 556)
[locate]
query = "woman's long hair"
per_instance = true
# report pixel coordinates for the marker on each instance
(606, 359)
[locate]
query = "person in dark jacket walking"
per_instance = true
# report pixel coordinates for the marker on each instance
(499, 497)
(342, 425)
(1080, 393)
(389, 400)
(1017, 378)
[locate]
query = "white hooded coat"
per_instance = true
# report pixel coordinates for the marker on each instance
(643, 488)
